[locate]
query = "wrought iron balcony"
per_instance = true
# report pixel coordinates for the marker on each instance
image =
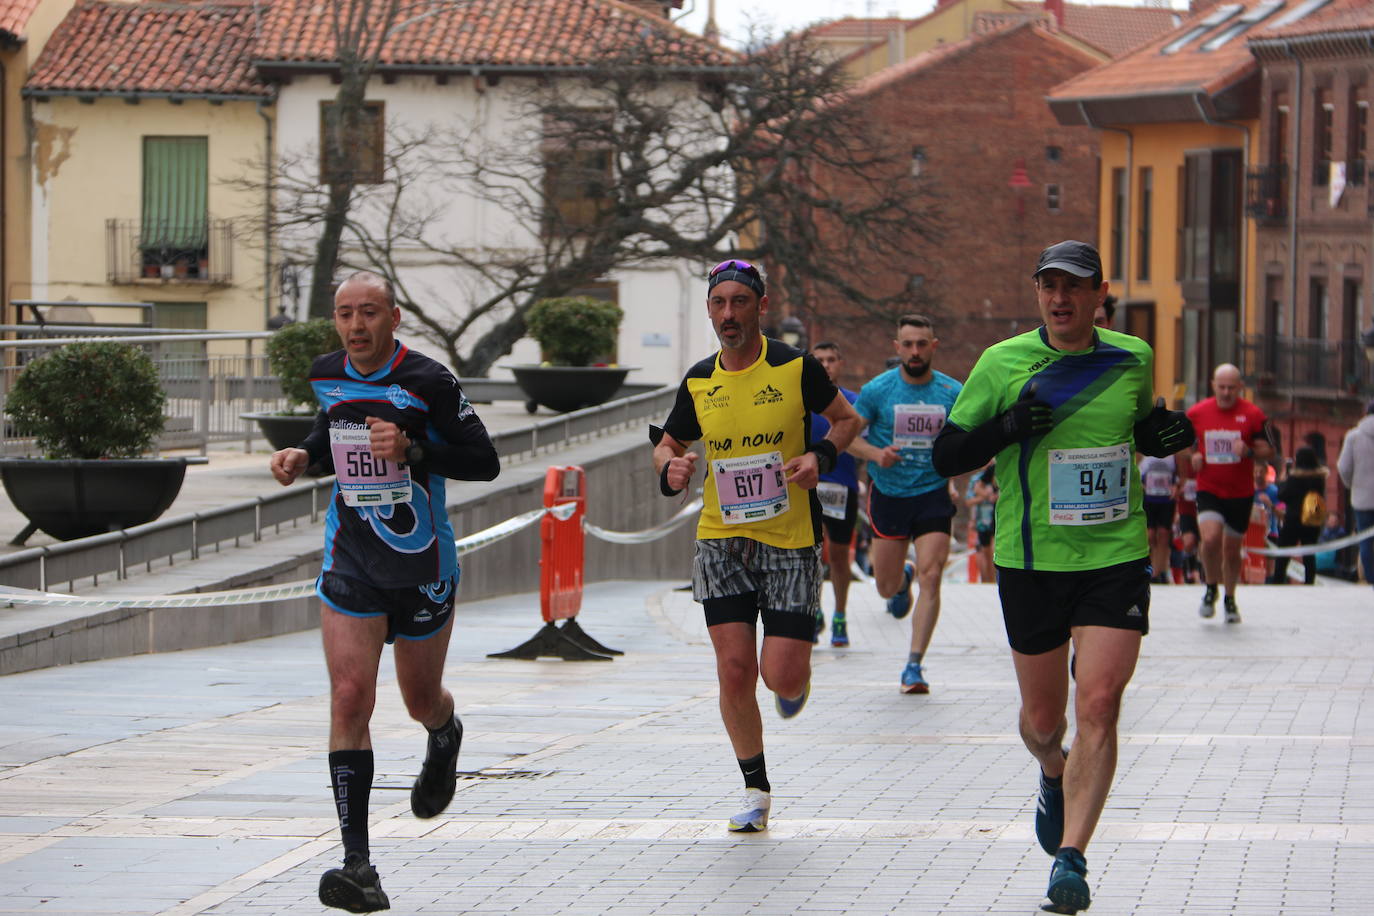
(1266, 193)
(199, 253)
(1308, 367)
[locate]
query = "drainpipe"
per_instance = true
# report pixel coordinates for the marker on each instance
(1244, 222)
(1293, 194)
(1125, 216)
(266, 213)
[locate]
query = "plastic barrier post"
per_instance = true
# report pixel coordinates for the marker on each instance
(1254, 570)
(562, 558)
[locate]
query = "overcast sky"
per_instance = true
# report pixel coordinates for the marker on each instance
(734, 16)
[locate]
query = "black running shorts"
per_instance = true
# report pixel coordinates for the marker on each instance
(1040, 608)
(412, 612)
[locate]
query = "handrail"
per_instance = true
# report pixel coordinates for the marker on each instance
(119, 551)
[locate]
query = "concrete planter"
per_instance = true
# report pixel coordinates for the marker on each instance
(76, 498)
(568, 388)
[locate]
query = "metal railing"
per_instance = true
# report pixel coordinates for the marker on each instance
(187, 537)
(201, 252)
(206, 391)
(1266, 193)
(1310, 367)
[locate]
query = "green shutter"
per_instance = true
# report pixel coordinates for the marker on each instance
(175, 187)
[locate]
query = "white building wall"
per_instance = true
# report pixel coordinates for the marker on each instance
(665, 329)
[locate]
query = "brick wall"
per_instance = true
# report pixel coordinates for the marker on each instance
(978, 113)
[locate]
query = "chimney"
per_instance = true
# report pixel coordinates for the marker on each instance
(712, 31)
(1056, 9)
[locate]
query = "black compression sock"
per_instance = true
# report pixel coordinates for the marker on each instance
(351, 775)
(755, 773)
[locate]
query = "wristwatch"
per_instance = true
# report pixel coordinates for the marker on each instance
(415, 452)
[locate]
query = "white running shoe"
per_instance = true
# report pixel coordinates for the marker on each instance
(754, 817)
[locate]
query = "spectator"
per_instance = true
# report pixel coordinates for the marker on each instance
(1356, 466)
(1303, 495)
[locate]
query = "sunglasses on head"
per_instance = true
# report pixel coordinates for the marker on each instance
(733, 264)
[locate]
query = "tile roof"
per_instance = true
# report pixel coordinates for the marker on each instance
(852, 29)
(14, 16)
(159, 49)
(1170, 84)
(953, 49)
(1114, 29)
(1336, 17)
(506, 34)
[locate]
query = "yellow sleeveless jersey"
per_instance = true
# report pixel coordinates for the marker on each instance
(751, 422)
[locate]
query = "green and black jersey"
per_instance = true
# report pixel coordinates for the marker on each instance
(752, 422)
(1071, 499)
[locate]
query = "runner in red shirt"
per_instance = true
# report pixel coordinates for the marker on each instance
(1231, 434)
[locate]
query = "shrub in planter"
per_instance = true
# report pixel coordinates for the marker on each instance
(574, 330)
(290, 352)
(96, 399)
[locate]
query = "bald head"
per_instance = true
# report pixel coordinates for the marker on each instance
(1226, 384)
(370, 280)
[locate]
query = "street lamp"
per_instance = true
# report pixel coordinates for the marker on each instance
(792, 332)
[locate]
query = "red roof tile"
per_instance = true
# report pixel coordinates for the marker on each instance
(1336, 17)
(532, 34)
(1192, 69)
(951, 50)
(1114, 29)
(855, 29)
(14, 15)
(149, 48)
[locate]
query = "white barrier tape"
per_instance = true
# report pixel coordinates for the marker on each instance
(1310, 549)
(284, 592)
(684, 515)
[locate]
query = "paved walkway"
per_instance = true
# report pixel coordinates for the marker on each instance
(196, 782)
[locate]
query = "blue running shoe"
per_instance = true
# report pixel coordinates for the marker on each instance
(1049, 815)
(1068, 890)
(839, 632)
(789, 708)
(899, 605)
(754, 817)
(912, 679)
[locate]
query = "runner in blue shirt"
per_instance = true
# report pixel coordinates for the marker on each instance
(392, 426)
(838, 491)
(904, 409)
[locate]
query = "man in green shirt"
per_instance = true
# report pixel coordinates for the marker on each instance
(1063, 408)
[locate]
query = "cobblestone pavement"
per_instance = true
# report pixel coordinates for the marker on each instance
(196, 782)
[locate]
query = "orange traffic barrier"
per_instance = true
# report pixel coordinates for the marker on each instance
(1253, 567)
(562, 557)
(562, 544)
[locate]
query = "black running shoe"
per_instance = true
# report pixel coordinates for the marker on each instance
(433, 788)
(355, 887)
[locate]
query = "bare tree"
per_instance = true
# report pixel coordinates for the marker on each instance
(360, 30)
(655, 155)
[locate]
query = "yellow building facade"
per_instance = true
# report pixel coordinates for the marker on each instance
(1143, 229)
(90, 200)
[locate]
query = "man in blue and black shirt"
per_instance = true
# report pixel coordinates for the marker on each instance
(392, 426)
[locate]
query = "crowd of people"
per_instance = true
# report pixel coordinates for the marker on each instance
(1083, 491)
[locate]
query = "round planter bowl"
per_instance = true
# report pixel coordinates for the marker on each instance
(74, 498)
(282, 430)
(567, 388)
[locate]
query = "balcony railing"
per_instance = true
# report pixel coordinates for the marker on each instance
(200, 252)
(1266, 193)
(1335, 369)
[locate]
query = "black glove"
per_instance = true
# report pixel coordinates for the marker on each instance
(1163, 432)
(1028, 417)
